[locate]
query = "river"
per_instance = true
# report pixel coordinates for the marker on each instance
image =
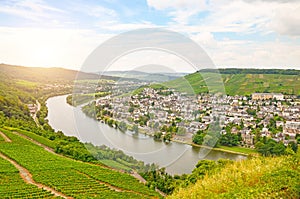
(177, 158)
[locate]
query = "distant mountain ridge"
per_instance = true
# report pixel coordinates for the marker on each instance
(252, 71)
(38, 74)
(144, 76)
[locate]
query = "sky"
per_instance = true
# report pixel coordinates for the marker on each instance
(234, 33)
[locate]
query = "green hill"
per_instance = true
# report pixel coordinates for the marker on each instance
(46, 75)
(273, 177)
(240, 81)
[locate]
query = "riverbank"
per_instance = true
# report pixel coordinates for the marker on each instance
(142, 147)
(234, 150)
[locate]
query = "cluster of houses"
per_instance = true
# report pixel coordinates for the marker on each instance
(33, 108)
(193, 113)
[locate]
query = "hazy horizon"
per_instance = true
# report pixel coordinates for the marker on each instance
(155, 71)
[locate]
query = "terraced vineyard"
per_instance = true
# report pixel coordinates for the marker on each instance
(67, 176)
(237, 84)
(13, 186)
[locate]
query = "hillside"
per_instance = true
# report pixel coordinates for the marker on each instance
(273, 177)
(241, 81)
(45, 75)
(47, 174)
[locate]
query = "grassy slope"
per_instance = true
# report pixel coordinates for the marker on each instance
(276, 177)
(240, 84)
(69, 176)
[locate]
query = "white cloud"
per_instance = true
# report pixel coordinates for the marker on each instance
(205, 38)
(179, 10)
(116, 26)
(96, 11)
(176, 4)
(48, 47)
(35, 10)
(286, 21)
(238, 16)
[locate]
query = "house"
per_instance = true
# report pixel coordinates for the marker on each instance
(267, 96)
(292, 128)
(247, 138)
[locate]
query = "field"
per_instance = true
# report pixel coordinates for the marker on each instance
(13, 186)
(115, 164)
(238, 149)
(238, 84)
(69, 177)
(26, 83)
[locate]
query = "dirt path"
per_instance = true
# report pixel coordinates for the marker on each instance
(139, 177)
(34, 115)
(27, 177)
(142, 180)
(6, 139)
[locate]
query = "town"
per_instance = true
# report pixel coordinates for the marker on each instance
(167, 114)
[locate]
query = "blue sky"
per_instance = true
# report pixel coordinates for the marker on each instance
(234, 33)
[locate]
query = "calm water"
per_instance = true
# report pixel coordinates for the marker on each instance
(177, 158)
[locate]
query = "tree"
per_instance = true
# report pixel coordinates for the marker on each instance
(157, 135)
(181, 131)
(131, 109)
(298, 138)
(251, 112)
(270, 147)
(198, 137)
(167, 137)
(122, 126)
(135, 128)
(293, 146)
(210, 140)
(156, 125)
(229, 139)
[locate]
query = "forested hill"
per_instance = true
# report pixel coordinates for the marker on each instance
(241, 81)
(45, 75)
(252, 71)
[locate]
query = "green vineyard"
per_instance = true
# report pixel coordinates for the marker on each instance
(69, 177)
(13, 186)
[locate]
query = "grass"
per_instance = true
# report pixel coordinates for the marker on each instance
(115, 164)
(26, 83)
(238, 149)
(258, 177)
